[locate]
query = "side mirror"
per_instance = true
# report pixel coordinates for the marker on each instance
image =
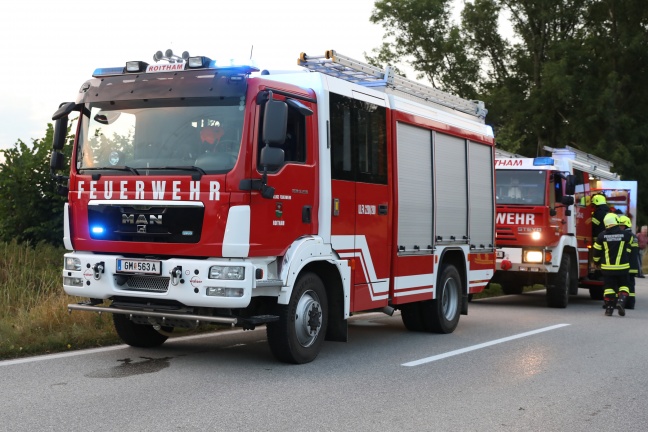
(57, 161)
(275, 122)
(570, 185)
(567, 200)
(271, 157)
(64, 110)
(60, 118)
(60, 133)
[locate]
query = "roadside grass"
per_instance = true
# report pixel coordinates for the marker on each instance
(33, 306)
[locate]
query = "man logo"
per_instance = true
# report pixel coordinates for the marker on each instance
(141, 219)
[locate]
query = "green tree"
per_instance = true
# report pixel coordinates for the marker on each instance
(419, 33)
(571, 72)
(30, 209)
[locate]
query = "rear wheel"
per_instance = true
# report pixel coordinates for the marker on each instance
(298, 334)
(137, 335)
(411, 316)
(441, 315)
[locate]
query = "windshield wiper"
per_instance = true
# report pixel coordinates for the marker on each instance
(201, 172)
(113, 168)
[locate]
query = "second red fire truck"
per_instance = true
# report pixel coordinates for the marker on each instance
(201, 193)
(544, 220)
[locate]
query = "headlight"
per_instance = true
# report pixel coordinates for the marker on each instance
(532, 256)
(535, 235)
(73, 264)
(227, 272)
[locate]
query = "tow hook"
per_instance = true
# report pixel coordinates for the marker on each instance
(176, 274)
(98, 270)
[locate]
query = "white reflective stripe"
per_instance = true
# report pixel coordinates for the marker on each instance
(349, 246)
(236, 241)
(67, 236)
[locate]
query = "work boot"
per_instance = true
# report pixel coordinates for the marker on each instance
(630, 303)
(609, 310)
(620, 307)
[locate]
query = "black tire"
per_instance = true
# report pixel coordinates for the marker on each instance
(411, 316)
(596, 293)
(558, 290)
(573, 277)
(137, 335)
(441, 315)
(298, 334)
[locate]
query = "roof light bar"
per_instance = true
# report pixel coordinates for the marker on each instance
(198, 62)
(136, 66)
(543, 161)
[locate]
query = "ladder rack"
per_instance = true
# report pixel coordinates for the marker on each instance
(499, 153)
(340, 66)
(587, 162)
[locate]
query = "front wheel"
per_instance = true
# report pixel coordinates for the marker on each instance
(137, 335)
(441, 315)
(298, 334)
(558, 290)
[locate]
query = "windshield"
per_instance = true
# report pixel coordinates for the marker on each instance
(520, 187)
(132, 136)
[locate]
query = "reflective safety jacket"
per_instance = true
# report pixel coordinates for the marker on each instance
(612, 250)
(597, 219)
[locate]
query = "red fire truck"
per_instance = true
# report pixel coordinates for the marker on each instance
(543, 222)
(201, 193)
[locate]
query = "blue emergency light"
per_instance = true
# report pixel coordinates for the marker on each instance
(543, 161)
(97, 230)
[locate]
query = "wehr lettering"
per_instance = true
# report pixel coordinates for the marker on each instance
(516, 218)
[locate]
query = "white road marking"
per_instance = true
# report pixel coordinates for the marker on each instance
(172, 340)
(111, 348)
(480, 346)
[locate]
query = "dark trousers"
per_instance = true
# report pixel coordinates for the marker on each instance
(615, 283)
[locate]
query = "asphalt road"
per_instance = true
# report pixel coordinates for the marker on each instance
(512, 365)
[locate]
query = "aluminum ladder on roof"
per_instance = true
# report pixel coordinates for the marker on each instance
(586, 162)
(348, 69)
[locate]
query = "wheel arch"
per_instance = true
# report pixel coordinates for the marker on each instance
(311, 254)
(457, 258)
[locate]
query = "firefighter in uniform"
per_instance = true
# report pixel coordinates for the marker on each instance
(612, 253)
(600, 210)
(626, 224)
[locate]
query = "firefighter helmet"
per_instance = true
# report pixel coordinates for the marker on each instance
(598, 199)
(610, 220)
(625, 220)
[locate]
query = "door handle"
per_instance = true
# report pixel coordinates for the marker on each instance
(306, 214)
(382, 209)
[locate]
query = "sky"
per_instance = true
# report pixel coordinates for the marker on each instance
(52, 47)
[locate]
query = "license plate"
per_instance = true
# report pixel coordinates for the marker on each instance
(139, 266)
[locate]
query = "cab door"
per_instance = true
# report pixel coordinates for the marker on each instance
(292, 210)
(362, 211)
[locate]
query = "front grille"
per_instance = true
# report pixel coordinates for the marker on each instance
(505, 233)
(161, 224)
(146, 284)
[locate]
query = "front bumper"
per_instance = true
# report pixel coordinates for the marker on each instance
(98, 279)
